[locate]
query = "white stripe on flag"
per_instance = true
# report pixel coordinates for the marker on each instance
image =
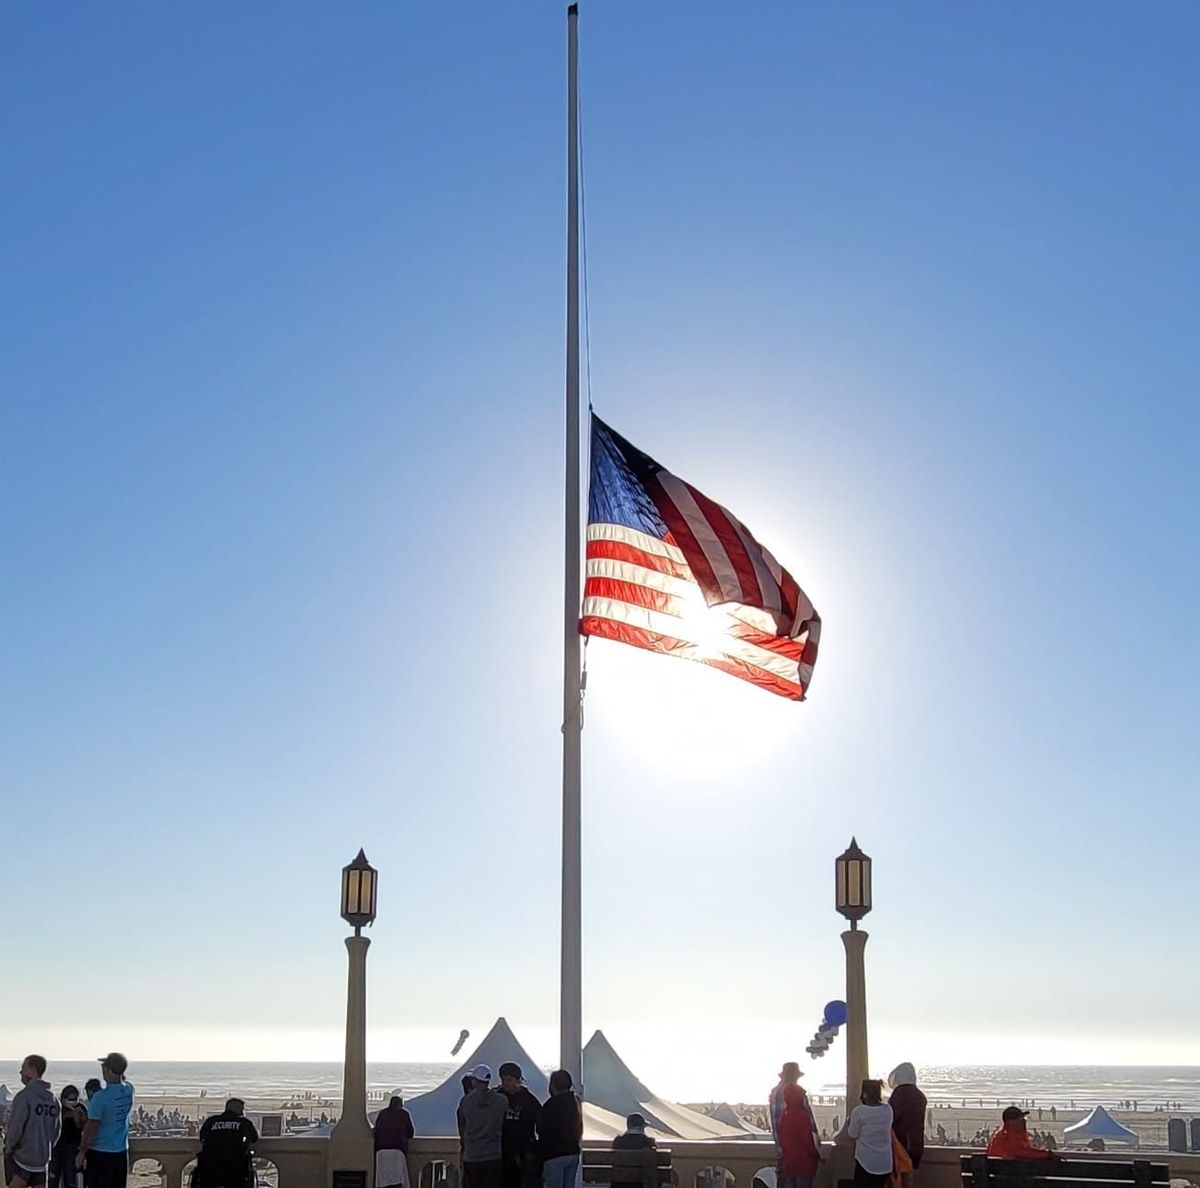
(706, 538)
(771, 594)
(639, 540)
(691, 635)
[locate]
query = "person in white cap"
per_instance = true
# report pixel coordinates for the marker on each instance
(481, 1131)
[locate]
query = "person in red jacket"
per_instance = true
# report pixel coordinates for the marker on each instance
(800, 1152)
(1011, 1141)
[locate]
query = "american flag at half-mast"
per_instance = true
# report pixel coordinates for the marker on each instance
(671, 571)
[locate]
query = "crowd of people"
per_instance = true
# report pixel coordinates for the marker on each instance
(507, 1137)
(82, 1140)
(888, 1136)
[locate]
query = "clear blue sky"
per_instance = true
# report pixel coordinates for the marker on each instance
(911, 289)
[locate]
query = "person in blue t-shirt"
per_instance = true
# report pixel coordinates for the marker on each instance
(104, 1149)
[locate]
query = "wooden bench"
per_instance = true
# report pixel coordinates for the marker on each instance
(649, 1168)
(980, 1171)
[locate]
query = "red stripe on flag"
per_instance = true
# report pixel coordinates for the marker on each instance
(731, 542)
(652, 641)
(616, 550)
(632, 593)
(685, 540)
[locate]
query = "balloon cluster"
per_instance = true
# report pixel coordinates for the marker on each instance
(832, 1022)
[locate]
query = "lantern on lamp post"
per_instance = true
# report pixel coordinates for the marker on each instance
(351, 1137)
(359, 883)
(852, 880)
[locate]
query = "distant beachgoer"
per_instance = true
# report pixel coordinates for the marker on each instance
(226, 1145)
(104, 1148)
(32, 1128)
(520, 1126)
(480, 1131)
(870, 1126)
(789, 1074)
(1053, 1113)
(908, 1115)
(560, 1133)
(90, 1088)
(1011, 1141)
(635, 1137)
(63, 1172)
(799, 1147)
(393, 1132)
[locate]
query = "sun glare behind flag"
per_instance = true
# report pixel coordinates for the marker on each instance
(671, 571)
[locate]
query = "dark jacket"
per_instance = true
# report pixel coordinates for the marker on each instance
(560, 1130)
(520, 1122)
(908, 1120)
(632, 1140)
(393, 1129)
(227, 1138)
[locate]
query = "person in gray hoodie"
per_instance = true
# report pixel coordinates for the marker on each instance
(480, 1131)
(34, 1122)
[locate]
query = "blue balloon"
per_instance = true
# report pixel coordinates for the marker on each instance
(835, 1013)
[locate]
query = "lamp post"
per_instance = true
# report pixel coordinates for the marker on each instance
(350, 1140)
(852, 877)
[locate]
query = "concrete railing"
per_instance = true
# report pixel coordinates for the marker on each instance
(434, 1162)
(299, 1162)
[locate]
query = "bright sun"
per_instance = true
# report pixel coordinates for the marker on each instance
(677, 716)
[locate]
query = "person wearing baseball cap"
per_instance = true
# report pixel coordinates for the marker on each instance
(480, 1131)
(1012, 1140)
(635, 1137)
(104, 1148)
(522, 1113)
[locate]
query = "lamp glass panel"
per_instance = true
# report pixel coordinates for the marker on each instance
(866, 884)
(367, 900)
(841, 882)
(353, 891)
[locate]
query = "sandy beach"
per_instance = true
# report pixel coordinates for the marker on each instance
(956, 1120)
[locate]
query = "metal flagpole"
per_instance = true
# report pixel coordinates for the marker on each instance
(571, 990)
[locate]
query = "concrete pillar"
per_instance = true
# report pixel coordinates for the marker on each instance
(857, 1064)
(350, 1143)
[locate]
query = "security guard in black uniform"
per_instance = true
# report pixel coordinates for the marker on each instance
(226, 1148)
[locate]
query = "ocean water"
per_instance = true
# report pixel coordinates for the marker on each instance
(1150, 1087)
(285, 1080)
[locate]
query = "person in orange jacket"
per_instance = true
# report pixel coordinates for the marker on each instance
(1012, 1141)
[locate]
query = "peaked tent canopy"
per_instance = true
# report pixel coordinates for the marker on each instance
(612, 1093)
(1100, 1124)
(436, 1112)
(727, 1114)
(611, 1085)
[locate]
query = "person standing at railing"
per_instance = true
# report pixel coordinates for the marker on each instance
(480, 1131)
(32, 1128)
(799, 1148)
(104, 1148)
(908, 1116)
(63, 1172)
(560, 1133)
(870, 1127)
(393, 1131)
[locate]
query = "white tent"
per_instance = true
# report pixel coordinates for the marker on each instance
(435, 1112)
(612, 1093)
(611, 1085)
(727, 1114)
(1100, 1124)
